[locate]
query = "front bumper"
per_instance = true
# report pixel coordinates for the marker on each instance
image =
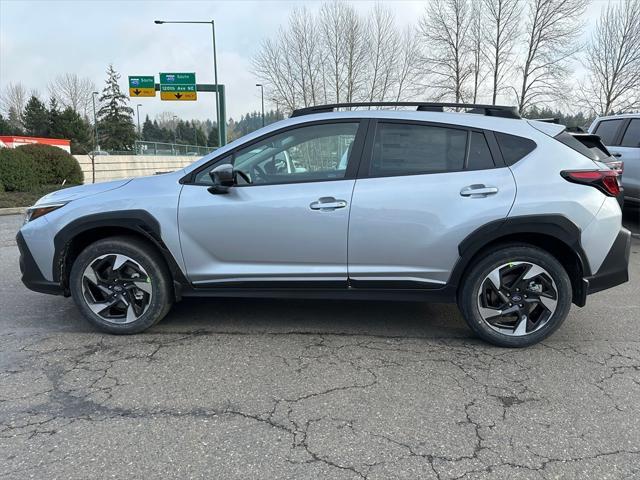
(615, 268)
(31, 275)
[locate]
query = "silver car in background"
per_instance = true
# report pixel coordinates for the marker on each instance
(621, 135)
(513, 220)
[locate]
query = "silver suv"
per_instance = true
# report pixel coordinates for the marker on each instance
(621, 135)
(512, 219)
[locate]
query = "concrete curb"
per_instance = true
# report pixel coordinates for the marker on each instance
(13, 211)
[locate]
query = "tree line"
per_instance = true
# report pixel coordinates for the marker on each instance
(518, 52)
(68, 115)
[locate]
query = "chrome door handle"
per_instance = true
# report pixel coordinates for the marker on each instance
(478, 191)
(327, 204)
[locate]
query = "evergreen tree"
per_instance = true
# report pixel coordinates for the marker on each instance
(212, 140)
(36, 118)
(75, 128)
(115, 117)
(5, 126)
(54, 119)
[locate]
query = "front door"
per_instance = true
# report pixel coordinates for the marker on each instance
(285, 223)
(424, 188)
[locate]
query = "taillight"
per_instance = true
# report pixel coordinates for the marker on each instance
(607, 181)
(616, 166)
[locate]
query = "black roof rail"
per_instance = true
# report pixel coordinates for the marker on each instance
(488, 110)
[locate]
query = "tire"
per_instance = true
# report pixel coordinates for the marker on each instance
(128, 277)
(524, 299)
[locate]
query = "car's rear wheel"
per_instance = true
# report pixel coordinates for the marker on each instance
(121, 285)
(515, 296)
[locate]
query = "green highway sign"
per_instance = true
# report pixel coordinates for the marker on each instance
(178, 86)
(178, 78)
(142, 86)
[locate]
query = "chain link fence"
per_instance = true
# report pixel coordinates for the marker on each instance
(161, 149)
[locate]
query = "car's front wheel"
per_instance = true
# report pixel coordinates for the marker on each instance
(515, 296)
(121, 285)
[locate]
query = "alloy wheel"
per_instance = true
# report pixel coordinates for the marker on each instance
(517, 298)
(116, 288)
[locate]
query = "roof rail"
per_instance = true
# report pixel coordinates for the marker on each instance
(488, 110)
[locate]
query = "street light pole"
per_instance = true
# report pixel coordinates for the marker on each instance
(175, 131)
(95, 121)
(262, 97)
(215, 67)
(138, 112)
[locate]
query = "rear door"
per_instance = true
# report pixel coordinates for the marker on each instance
(421, 189)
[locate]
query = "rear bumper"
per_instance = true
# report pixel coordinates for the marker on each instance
(31, 275)
(615, 268)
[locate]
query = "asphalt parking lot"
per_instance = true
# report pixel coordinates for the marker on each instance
(314, 389)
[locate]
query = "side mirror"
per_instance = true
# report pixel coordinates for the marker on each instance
(223, 178)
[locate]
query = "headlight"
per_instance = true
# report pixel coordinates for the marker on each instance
(40, 210)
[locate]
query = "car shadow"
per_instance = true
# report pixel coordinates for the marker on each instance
(631, 218)
(337, 317)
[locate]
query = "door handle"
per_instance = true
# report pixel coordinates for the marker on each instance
(478, 191)
(327, 204)
(616, 154)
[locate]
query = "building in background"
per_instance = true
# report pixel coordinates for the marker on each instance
(13, 141)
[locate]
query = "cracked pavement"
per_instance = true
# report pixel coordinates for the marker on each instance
(314, 389)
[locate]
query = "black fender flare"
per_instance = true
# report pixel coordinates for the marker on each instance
(556, 226)
(137, 221)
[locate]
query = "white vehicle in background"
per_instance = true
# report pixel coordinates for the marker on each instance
(621, 135)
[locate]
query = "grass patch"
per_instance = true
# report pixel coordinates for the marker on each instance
(26, 199)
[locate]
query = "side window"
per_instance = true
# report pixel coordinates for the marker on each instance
(631, 137)
(314, 152)
(404, 149)
(607, 130)
(513, 148)
(479, 153)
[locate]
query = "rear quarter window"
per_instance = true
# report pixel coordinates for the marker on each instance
(514, 148)
(607, 130)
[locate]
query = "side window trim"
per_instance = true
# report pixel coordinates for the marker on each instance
(496, 153)
(623, 132)
(352, 166)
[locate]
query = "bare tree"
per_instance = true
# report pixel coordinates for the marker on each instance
(551, 30)
(445, 31)
(355, 55)
(477, 45)
(502, 27)
(408, 66)
(73, 91)
(613, 60)
(383, 41)
(12, 102)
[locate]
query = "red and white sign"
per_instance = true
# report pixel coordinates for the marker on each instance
(11, 141)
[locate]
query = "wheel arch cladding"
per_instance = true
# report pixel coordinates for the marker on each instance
(553, 233)
(81, 232)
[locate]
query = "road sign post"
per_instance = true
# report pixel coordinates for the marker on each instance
(142, 86)
(178, 87)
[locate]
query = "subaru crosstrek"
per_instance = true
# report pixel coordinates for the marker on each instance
(514, 220)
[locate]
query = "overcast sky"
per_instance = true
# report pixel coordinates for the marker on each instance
(41, 39)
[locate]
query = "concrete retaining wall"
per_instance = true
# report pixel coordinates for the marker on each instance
(114, 167)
